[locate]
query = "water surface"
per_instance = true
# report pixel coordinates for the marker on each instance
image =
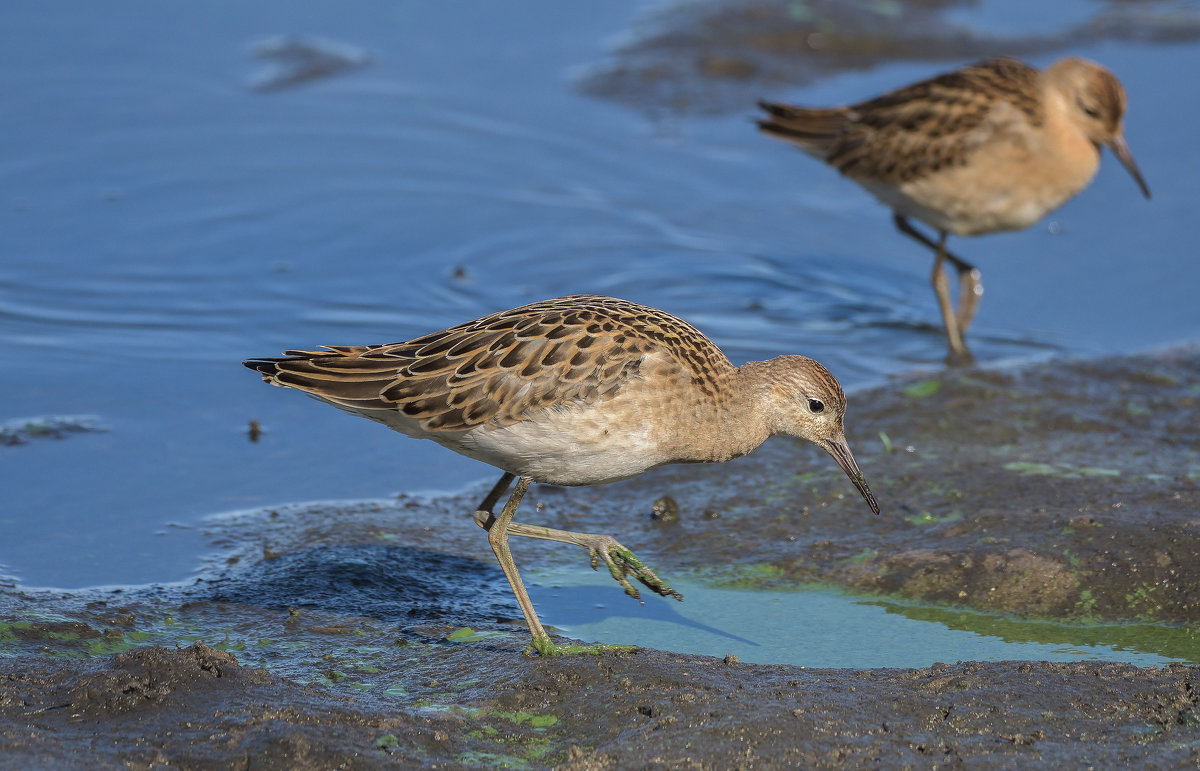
(830, 628)
(163, 217)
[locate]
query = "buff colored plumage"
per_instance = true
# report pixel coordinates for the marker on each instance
(990, 147)
(575, 391)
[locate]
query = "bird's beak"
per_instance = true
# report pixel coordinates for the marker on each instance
(1121, 150)
(840, 450)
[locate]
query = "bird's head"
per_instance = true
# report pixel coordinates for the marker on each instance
(1096, 103)
(806, 401)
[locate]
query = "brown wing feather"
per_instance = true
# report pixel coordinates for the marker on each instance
(915, 130)
(501, 368)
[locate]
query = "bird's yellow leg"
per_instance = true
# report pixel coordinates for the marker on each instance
(621, 561)
(970, 283)
(499, 527)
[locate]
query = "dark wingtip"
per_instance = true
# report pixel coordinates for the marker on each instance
(262, 366)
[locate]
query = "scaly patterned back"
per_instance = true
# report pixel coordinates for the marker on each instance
(502, 368)
(916, 130)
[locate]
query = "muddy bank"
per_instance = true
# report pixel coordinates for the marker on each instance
(381, 633)
(722, 56)
(197, 708)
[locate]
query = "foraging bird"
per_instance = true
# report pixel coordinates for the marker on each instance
(577, 390)
(990, 147)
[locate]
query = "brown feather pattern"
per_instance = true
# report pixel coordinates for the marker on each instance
(502, 368)
(913, 131)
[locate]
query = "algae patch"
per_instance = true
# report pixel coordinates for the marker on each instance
(1059, 470)
(469, 635)
(1181, 643)
(922, 389)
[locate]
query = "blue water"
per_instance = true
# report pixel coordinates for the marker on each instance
(825, 628)
(161, 218)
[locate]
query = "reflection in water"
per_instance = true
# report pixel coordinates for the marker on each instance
(589, 606)
(828, 628)
(161, 221)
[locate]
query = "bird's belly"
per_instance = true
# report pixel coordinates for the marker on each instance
(565, 449)
(994, 192)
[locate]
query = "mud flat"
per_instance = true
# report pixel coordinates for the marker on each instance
(379, 633)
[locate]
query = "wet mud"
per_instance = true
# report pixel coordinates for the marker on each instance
(23, 430)
(198, 708)
(722, 56)
(381, 633)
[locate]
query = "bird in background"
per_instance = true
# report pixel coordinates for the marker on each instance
(577, 390)
(990, 147)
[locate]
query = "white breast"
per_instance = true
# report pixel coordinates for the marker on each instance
(567, 447)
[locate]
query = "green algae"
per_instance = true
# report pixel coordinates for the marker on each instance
(922, 389)
(927, 518)
(1174, 642)
(547, 648)
(534, 720)
(863, 556)
(1059, 470)
(752, 576)
(529, 745)
(469, 635)
(480, 759)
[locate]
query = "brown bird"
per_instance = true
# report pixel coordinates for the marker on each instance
(990, 147)
(575, 391)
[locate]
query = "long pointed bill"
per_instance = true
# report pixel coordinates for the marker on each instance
(840, 451)
(1121, 150)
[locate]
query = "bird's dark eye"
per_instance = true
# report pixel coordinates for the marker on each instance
(815, 406)
(1089, 111)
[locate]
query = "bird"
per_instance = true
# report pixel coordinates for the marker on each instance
(991, 147)
(577, 390)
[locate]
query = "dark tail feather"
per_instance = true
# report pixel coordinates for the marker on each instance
(814, 129)
(265, 366)
(343, 379)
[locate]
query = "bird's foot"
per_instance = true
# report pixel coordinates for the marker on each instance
(961, 357)
(621, 563)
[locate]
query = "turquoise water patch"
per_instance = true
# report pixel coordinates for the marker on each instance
(829, 628)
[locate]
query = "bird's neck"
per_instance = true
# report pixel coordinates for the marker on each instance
(743, 423)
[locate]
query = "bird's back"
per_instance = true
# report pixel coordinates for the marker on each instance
(501, 369)
(917, 130)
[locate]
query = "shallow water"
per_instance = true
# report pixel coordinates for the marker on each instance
(163, 217)
(829, 628)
